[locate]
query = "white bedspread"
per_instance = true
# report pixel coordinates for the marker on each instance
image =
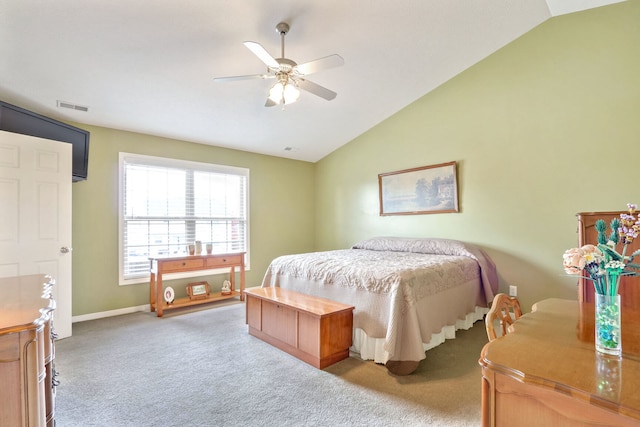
(405, 291)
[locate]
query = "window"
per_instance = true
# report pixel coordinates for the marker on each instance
(166, 204)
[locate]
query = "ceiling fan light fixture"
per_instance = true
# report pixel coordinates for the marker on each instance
(284, 93)
(290, 76)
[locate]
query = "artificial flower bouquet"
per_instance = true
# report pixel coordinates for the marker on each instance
(602, 263)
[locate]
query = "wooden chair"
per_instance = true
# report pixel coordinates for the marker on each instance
(504, 308)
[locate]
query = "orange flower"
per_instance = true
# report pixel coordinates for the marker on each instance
(575, 260)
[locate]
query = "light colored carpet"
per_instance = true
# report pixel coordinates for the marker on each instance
(202, 368)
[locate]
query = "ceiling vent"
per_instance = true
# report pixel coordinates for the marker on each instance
(63, 104)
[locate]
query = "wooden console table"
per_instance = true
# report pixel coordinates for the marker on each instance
(161, 266)
(547, 372)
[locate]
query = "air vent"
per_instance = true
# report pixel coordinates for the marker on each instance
(63, 104)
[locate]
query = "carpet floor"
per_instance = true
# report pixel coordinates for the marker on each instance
(202, 368)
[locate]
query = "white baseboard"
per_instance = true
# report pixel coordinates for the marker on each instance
(102, 314)
(118, 312)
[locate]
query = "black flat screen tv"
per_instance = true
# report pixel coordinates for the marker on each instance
(18, 120)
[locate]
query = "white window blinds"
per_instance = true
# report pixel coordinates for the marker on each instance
(167, 204)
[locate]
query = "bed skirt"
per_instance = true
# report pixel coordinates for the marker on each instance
(373, 348)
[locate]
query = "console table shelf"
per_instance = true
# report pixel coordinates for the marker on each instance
(161, 266)
(186, 302)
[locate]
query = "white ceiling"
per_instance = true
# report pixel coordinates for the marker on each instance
(148, 65)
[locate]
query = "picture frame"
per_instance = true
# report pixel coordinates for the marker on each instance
(421, 190)
(198, 290)
(169, 295)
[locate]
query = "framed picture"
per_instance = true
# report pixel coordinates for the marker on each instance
(198, 290)
(423, 190)
(169, 294)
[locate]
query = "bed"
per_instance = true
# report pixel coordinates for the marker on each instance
(409, 294)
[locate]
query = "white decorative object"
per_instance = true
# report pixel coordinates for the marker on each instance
(226, 288)
(169, 294)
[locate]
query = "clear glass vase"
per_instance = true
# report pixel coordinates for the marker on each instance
(607, 325)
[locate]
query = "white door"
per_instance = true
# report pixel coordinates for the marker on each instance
(35, 215)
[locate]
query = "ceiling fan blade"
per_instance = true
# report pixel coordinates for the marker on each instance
(316, 89)
(247, 77)
(319, 64)
(262, 54)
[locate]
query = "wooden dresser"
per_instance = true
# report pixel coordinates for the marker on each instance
(547, 372)
(27, 374)
(587, 234)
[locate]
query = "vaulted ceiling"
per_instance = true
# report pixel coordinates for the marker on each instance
(148, 65)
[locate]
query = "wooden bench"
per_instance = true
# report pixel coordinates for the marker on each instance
(315, 330)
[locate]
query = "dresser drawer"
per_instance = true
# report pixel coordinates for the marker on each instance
(10, 347)
(224, 261)
(182, 265)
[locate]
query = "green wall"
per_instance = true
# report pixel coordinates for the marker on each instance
(547, 127)
(282, 214)
(544, 128)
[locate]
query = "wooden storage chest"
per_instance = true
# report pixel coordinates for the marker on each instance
(315, 330)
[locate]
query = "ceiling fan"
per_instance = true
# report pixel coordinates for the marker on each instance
(290, 76)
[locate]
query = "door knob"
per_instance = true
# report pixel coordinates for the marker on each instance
(65, 250)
